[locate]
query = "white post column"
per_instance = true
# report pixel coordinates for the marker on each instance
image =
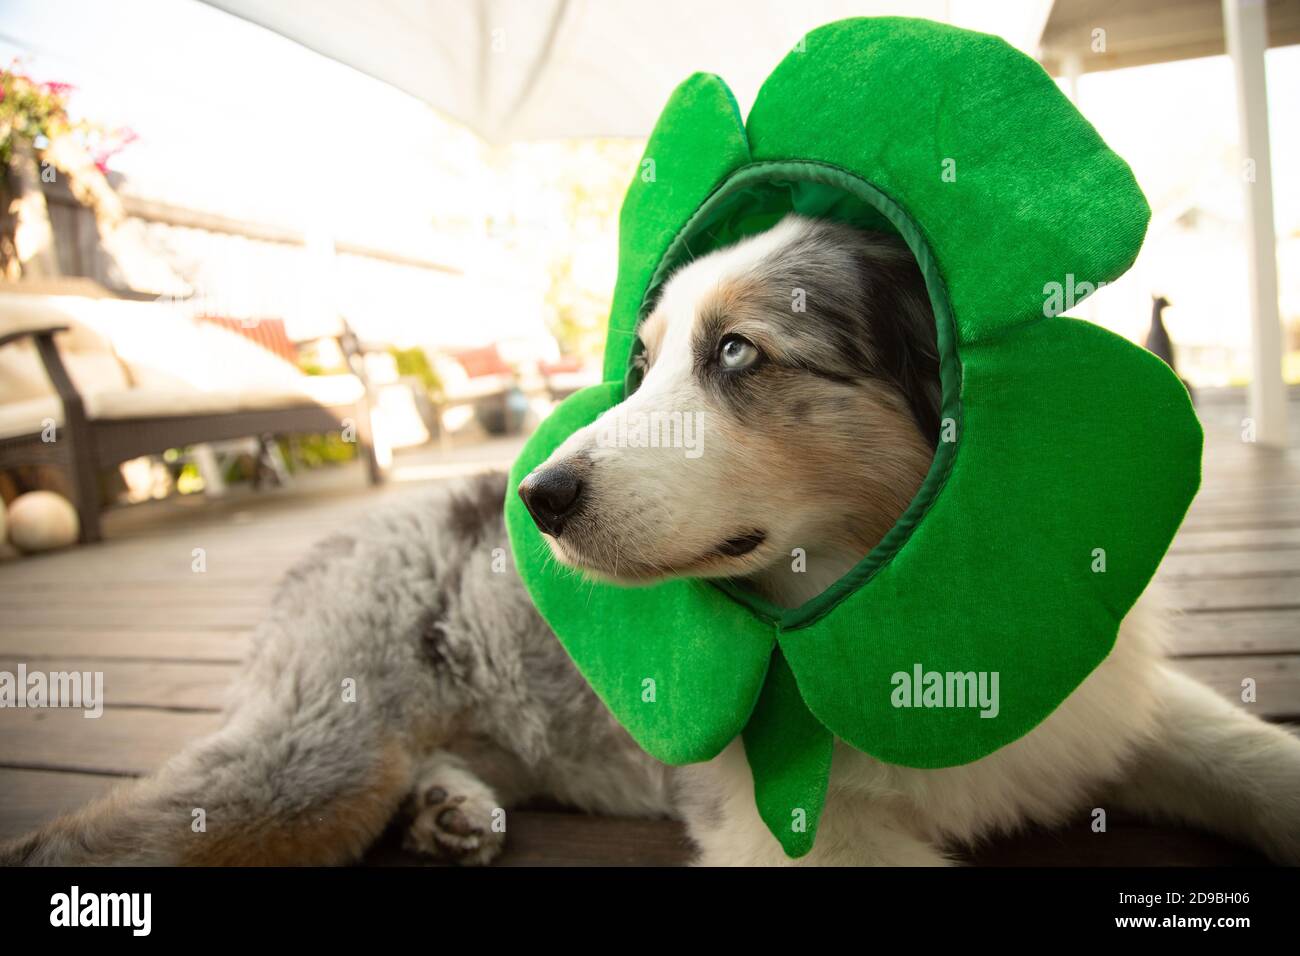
(1071, 70)
(1246, 31)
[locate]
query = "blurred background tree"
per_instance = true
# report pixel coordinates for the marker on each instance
(570, 193)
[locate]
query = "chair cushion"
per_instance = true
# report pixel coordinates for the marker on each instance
(169, 402)
(161, 362)
(28, 416)
(331, 390)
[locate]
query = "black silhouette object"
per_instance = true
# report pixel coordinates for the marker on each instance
(1158, 341)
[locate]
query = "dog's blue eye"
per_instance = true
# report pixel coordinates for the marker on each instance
(737, 352)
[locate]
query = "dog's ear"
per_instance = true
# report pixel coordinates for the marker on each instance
(902, 327)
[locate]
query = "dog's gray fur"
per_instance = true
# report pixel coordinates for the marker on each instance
(464, 703)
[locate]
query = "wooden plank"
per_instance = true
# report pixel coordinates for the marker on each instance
(1251, 473)
(1206, 540)
(167, 684)
(17, 576)
(143, 617)
(131, 595)
(1247, 468)
(261, 579)
(258, 552)
(30, 798)
(1231, 564)
(1234, 505)
(123, 741)
(91, 645)
(1277, 681)
(1237, 632)
(154, 558)
(1225, 449)
(1240, 522)
(1232, 498)
(1242, 488)
(1125, 843)
(1234, 593)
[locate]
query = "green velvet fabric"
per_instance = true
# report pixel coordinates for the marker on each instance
(1070, 455)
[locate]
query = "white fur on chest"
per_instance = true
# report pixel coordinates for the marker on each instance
(880, 813)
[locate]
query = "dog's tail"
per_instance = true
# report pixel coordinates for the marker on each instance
(260, 791)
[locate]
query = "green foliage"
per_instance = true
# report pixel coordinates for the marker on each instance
(415, 362)
(313, 451)
(576, 316)
(589, 178)
(29, 109)
(189, 481)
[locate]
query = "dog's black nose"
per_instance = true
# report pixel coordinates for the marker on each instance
(551, 496)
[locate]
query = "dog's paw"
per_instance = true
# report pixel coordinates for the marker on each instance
(452, 819)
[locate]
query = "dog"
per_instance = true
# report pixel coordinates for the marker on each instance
(404, 674)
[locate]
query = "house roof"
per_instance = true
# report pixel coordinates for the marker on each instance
(1153, 31)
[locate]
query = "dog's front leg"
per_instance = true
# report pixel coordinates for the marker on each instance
(454, 812)
(1214, 765)
(716, 800)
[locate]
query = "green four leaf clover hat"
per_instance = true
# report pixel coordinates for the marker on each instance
(1068, 459)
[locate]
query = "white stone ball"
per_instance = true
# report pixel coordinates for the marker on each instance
(41, 521)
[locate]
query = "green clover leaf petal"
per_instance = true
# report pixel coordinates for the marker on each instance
(698, 141)
(789, 753)
(1011, 185)
(680, 669)
(1002, 575)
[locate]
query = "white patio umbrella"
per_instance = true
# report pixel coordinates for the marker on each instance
(541, 69)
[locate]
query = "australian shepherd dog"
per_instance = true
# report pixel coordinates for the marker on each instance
(822, 424)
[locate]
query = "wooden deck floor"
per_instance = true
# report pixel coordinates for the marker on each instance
(169, 641)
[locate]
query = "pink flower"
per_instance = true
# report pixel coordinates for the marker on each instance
(121, 138)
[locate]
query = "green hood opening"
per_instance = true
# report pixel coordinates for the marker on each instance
(752, 200)
(1067, 461)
